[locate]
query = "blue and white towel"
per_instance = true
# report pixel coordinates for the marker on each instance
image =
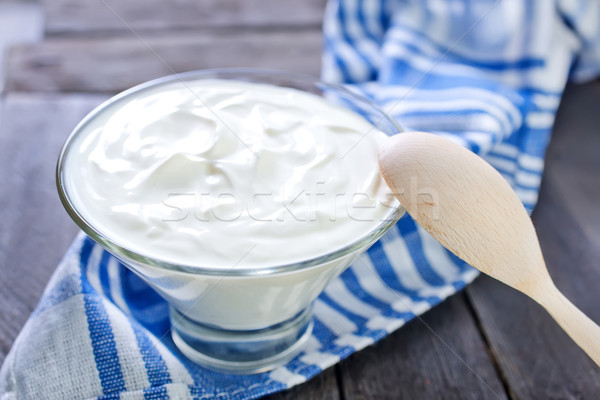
(489, 74)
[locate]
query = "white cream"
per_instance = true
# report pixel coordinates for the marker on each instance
(219, 173)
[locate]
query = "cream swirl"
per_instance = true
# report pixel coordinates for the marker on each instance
(214, 171)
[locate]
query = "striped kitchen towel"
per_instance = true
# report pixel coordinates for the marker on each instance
(488, 74)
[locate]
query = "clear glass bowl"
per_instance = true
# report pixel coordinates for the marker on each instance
(240, 320)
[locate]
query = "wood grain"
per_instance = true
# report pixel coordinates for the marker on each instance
(323, 386)
(35, 230)
(80, 17)
(415, 363)
(113, 64)
(536, 358)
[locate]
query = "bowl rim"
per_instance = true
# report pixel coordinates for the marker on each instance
(125, 254)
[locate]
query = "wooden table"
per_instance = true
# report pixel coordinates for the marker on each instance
(486, 342)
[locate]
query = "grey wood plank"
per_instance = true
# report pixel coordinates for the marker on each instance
(574, 162)
(20, 22)
(100, 16)
(35, 230)
(448, 361)
(116, 63)
(324, 387)
(536, 358)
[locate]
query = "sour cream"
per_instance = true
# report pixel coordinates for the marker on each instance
(228, 174)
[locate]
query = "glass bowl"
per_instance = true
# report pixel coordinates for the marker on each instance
(237, 320)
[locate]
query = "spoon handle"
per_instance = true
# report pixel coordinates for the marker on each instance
(584, 331)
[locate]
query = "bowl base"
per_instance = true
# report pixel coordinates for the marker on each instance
(241, 352)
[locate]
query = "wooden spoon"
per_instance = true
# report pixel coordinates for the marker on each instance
(465, 204)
